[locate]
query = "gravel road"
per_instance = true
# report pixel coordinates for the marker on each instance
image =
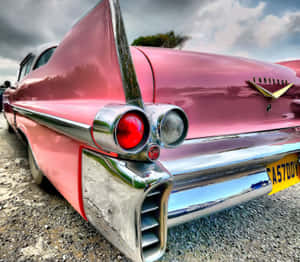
(41, 226)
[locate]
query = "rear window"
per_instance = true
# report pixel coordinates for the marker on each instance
(44, 58)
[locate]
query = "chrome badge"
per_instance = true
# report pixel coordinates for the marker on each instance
(267, 93)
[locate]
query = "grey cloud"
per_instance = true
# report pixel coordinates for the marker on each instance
(25, 24)
(294, 32)
(278, 7)
(146, 17)
(28, 23)
(14, 40)
(285, 43)
(159, 6)
(294, 25)
(15, 35)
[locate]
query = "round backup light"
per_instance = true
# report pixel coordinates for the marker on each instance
(173, 128)
(130, 130)
(153, 152)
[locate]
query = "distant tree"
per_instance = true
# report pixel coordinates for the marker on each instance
(167, 40)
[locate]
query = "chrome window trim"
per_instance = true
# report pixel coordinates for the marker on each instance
(40, 50)
(23, 64)
(29, 66)
(36, 55)
(37, 58)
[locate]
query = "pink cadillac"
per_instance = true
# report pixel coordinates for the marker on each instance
(141, 139)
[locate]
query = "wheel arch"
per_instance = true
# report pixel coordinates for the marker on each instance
(21, 133)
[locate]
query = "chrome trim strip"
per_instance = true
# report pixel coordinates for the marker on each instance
(113, 192)
(202, 201)
(78, 131)
(130, 83)
(241, 135)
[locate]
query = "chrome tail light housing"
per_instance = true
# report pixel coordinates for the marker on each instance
(169, 124)
(137, 134)
(122, 129)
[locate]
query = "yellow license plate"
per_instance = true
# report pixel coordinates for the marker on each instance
(284, 173)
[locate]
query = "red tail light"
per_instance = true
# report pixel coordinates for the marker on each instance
(153, 152)
(130, 130)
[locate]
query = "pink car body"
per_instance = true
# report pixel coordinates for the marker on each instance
(234, 132)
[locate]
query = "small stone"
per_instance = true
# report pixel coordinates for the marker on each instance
(21, 162)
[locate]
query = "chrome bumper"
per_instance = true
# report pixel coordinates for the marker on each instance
(127, 202)
(132, 204)
(224, 172)
(200, 201)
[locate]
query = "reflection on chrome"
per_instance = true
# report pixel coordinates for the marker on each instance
(113, 193)
(130, 84)
(200, 201)
(106, 122)
(73, 129)
(157, 114)
(222, 154)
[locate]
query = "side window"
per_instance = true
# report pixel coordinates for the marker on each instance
(44, 58)
(25, 67)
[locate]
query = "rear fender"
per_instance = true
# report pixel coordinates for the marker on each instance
(57, 156)
(295, 65)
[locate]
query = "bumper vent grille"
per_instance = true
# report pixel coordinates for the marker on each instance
(150, 222)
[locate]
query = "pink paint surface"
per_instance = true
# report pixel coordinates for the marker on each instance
(83, 75)
(295, 65)
(212, 90)
(57, 157)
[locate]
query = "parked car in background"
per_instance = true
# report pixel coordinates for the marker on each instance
(141, 139)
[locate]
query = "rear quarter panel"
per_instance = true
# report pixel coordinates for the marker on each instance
(58, 157)
(82, 76)
(214, 91)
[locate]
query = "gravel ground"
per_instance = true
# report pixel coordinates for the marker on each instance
(41, 226)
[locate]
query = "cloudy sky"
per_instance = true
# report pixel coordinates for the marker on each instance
(267, 29)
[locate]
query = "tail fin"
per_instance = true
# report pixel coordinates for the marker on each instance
(294, 64)
(97, 50)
